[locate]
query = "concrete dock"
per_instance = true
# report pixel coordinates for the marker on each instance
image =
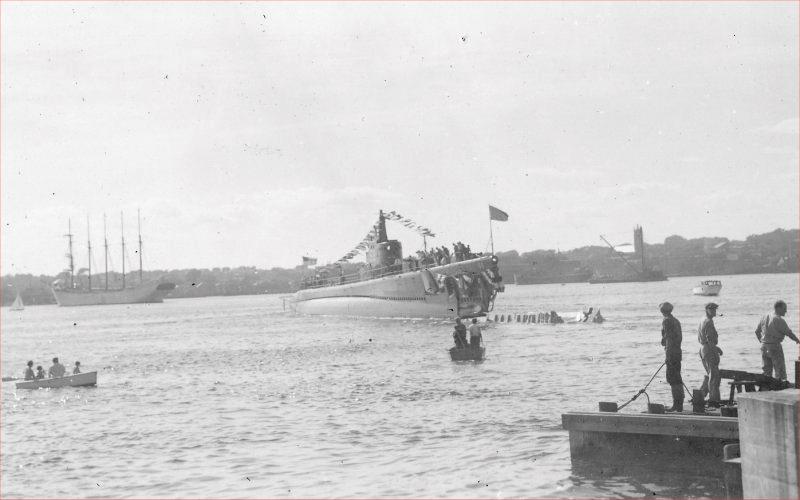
(624, 435)
(768, 443)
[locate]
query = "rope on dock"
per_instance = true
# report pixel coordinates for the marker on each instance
(643, 389)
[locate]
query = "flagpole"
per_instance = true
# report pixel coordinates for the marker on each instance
(491, 237)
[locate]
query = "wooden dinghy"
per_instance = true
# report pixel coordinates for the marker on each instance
(467, 354)
(81, 379)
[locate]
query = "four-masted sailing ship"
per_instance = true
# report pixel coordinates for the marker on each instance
(72, 292)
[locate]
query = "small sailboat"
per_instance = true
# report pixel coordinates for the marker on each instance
(17, 305)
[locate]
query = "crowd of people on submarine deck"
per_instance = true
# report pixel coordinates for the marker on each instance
(436, 256)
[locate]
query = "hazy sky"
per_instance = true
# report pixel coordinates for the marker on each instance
(254, 133)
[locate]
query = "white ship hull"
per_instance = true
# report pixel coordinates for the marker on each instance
(404, 295)
(708, 289)
(147, 292)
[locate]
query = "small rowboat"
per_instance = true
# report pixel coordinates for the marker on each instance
(81, 379)
(467, 353)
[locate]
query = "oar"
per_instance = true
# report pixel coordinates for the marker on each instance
(10, 379)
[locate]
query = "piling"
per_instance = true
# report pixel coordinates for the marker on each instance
(768, 443)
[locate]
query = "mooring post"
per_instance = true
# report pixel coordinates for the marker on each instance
(698, 406)
(797, 374)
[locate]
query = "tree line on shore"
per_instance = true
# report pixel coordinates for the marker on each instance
(773, 252)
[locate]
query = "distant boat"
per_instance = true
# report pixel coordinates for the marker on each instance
(68, 294)
(79, 380)
(17, 305)
(708, 287)
(467, 353)
(645, 274)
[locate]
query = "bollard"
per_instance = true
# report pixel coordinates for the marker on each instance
(698, 405)
(608, 406)
(524, 318)
(729, 411)
(495, 318)
(731, 451)
(655, 408)
(502, 318)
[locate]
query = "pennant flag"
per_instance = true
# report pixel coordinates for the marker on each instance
(497, 214)
(309, 261)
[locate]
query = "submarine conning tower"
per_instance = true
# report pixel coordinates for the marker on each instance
(383, 252)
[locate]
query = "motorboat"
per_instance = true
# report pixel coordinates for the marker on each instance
(708, 287)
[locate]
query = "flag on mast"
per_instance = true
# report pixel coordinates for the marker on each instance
(309, 261)
(497, 214)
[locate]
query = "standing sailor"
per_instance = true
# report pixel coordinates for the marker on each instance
(460, 334)
(770, 332)
(709, 354)
(475, 334)
(671, 337)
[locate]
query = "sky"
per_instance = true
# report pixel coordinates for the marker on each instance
(253, 133)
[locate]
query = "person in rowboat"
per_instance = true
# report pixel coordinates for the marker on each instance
(475, 336)
(460, 334)
(77, 368)
(29, 375)
(39, 372)
(57, 370)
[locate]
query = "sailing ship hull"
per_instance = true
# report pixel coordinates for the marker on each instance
(404, 295)
(147, 292)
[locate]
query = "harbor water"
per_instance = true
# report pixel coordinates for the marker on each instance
(234, 397)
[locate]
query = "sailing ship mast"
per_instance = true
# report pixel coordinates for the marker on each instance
(122, 229)
(105, 244)
(139, 220)
(71, 261)
(89, 244)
